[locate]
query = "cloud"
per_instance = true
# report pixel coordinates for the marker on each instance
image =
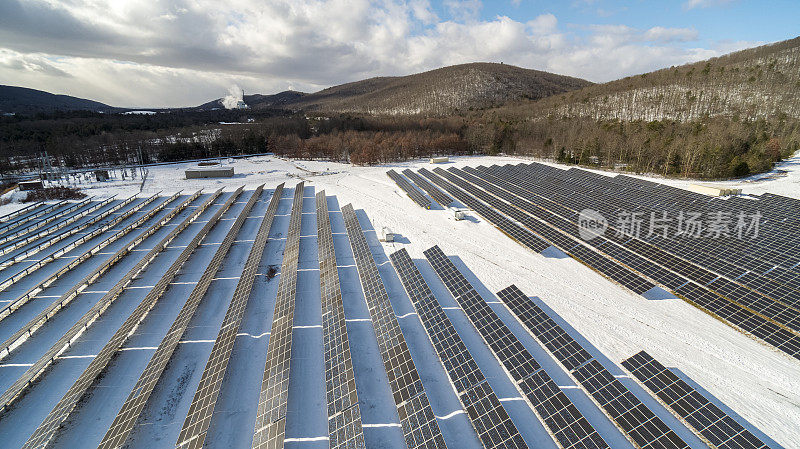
(186, 52)
(691, 4)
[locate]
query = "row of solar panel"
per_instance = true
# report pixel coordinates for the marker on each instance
(628, 250)
(410, 190)
(520, 204)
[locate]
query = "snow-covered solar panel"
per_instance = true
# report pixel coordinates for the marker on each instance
(416, 416)
(33, 215)
(40, 366)
(484, 410)
(30, 229)
(410, 190)
(66, 298)
(195, 426)
(30, 237)
(270, 426)
(42, 245)
(626, 411)
(123, 423)
(35, 289)
(344, 414)
(704, 418)
(61, 412)
(566, 424)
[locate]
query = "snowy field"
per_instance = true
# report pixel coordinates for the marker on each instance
(754, 383)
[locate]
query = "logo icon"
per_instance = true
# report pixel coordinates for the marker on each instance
(591, 224)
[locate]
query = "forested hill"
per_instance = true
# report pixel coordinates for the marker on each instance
(760, 82)
(21, 100)
(440, 92)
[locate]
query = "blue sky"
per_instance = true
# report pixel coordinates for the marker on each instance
(721, 20)
(163, 53)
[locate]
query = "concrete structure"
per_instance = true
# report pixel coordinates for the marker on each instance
(218, 171)
(440, 160)
(713, 191)
(35, 184)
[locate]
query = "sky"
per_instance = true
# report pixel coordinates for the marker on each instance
(159, 53)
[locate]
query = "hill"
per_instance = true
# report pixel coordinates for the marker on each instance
(21, 100)
(259, 101)
(729, 116)
(440, 92)
(759, 82)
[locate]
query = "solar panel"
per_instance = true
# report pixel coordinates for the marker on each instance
(484, 410)
(668, 270)
(123, 423)
(35, 289)
(48, 208)
(33, 236)
(40, 366)
(501, 222)
(344, 414)
(566, 424)
(22, 255)
(195, 426)
(18, 213)
(439, 196)
(416, 416)
(26, 230)
(61, 412)
(625, 410)
(705, 419)
(25, 332)
(271, 417)
(410, 190)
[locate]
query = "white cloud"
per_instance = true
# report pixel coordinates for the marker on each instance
(691, 4)
(186, 52)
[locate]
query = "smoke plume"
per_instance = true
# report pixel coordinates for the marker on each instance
(235, 95)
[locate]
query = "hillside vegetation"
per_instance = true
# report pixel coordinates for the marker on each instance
(438, 92)
(725, 117)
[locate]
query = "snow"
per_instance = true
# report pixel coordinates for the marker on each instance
(747, 378)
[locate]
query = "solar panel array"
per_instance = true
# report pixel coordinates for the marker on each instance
(500, 221)
(270, 424)
(123, 423)
(643, 428)
(27, 230)
(46, 243)
(438, 196)
(704, 418)
(548, 226)
(61, 412)
(195, 426)
(416, 416)
(33, 215)
(410, 190)
(27, 210)
(35, 289)
(344, 414)
(567, 425)
(25, 332)
(40, 366)
(484, 410)
(33, 236)
(632, 259)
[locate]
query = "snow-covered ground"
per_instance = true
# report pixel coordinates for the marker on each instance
(756, 383)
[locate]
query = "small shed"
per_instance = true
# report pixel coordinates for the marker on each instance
(219, 171)
(440, 160)
(101, 175)
(34, 184)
